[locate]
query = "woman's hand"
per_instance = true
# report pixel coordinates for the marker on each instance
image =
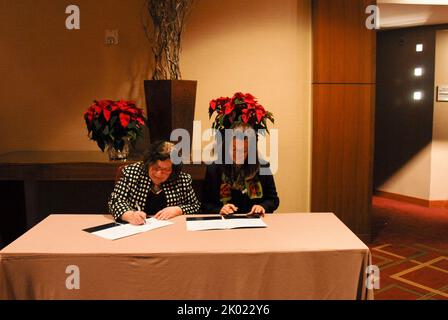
(168, 213)
(228, 209)
(134, 217)
(257, 209)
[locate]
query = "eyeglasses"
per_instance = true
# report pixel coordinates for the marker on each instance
(163, 170)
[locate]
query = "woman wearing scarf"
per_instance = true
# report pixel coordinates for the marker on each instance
(237, 185)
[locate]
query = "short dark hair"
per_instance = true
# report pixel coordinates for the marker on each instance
(161, 150)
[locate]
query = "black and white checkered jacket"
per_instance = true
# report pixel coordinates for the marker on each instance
(133, 188)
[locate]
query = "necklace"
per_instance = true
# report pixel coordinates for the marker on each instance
(156, 189)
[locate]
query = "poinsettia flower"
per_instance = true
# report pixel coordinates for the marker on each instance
(260, 114)
(88, 116)
(88, 111)
(132, 110)
(244, 97)
(213, 104)
(238, 95)
(245, 115)
(124, 119)
(248, 98)
(107, 111)
(229, 106)
(103, 104)
(122, 112)
(106, 114)
(122, 105)
(95, 109)
(251, 105)
(241, 107)
(223, 100)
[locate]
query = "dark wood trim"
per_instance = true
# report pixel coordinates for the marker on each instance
(438, 204)
(347, 84)
(76, 172)
(413, 200)
(442, 26)
(69, 166)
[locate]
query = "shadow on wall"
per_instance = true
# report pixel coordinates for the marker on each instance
(403, 125)
(138, 72)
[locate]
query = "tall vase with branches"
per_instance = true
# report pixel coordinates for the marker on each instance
(168, 22)
(170, 101)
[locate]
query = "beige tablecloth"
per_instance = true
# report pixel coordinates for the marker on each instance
(299, 256)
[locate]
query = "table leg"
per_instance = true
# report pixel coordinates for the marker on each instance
(32, 217)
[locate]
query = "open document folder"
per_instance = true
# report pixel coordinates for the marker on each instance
(113, 231)
(220, 222)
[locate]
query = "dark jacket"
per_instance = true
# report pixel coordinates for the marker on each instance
(133, 188)
(211, 202)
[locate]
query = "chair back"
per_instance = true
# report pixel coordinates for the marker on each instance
(119, 172)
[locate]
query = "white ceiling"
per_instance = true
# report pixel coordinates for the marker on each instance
(408, 13)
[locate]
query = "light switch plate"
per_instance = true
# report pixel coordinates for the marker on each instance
(111, 37)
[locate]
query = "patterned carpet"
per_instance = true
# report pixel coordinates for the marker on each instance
(410, 246)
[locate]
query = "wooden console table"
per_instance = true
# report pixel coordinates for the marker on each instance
(33, 167)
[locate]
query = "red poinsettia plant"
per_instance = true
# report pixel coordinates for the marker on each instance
(111, 122)
(242, 108)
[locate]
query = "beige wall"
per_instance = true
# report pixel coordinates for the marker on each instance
(425, 176)
(263, 48)
(414, 178)
(439, 160)
(50, 75)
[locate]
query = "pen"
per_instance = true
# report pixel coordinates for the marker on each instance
(139, 209)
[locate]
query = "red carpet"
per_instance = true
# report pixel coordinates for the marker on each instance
(410, 245)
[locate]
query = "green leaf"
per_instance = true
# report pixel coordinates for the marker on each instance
(132, 135)
(113, 119)
(106, 131)
(101, 144)
(97, 124)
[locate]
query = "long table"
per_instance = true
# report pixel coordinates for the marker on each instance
(299, 256)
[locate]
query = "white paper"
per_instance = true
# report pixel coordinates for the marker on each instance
(125, 230)
(245, 223)
(222, 224)
(199, 225)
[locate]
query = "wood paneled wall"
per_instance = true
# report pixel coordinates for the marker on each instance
(343, 112)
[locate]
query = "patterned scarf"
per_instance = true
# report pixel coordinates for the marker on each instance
(247, 185)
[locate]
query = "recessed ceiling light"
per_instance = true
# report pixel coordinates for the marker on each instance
(418, 95)
(418, 72)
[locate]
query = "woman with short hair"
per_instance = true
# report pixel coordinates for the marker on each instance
(154, 186)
